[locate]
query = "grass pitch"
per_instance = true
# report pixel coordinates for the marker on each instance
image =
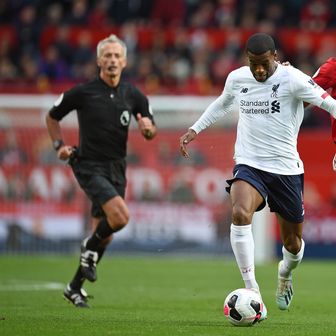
(156, 296)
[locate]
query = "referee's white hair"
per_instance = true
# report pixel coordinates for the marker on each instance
(111, 39)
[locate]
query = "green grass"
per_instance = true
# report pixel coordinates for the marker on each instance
(157, 296)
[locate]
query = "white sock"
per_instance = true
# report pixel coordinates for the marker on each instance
(290, 260)
(242, 244)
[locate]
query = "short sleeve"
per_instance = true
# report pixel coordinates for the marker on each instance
(65, 103)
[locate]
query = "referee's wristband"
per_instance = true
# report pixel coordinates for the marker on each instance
(57, 144)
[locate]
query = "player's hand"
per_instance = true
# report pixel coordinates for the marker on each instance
(185, 139)
(334, 163)
(65, 152)
(145, 126)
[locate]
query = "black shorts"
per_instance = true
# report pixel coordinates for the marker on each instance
(101, 181)
(283, 193)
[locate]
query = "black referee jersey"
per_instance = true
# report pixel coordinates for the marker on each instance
(104, 116)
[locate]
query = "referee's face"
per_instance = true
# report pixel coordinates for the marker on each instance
(262, 66)
(111, 60)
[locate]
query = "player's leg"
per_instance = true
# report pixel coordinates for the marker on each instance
(93, 247)
(74, 292)
(245, 200)
(292, 250)
(286, 200)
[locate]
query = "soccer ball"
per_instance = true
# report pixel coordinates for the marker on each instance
(243, 307)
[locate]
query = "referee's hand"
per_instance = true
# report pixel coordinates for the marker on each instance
(65, 152)
(145, 126)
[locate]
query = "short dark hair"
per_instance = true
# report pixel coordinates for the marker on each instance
(260, 43)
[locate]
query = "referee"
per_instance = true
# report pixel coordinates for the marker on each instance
(104, 107)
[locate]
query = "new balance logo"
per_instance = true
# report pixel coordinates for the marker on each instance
(311, 81)
(275, 106)
(244, 90)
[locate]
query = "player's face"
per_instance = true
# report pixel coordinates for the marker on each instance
(262, 66)
(111, 60)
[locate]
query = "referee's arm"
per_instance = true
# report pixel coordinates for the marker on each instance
(54, 129)
(146, 127)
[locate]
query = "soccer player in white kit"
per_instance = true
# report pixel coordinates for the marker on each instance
(268, 167)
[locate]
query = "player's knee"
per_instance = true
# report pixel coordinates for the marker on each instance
(123, 220)
(118, 219)
(292, 244)
(240, 215)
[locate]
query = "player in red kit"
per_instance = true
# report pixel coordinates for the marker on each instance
(325, 77)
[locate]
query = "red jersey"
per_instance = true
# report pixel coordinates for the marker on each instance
(326, 78)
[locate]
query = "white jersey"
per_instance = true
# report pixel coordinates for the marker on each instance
(270, 116)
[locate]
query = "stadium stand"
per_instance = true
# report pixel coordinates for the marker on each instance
(179, 47)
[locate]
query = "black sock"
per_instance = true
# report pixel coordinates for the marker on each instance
(78, 279)
(100, 251)
(103, 230)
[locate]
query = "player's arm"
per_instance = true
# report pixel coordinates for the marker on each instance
(213, 112)
(317, 96)
(333, 129)
(333, 134)
(185, 139)
(325, 77)
(304, 88)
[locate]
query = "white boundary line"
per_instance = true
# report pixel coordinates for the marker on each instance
(15, 285)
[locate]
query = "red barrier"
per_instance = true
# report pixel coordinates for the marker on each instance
(211, 154)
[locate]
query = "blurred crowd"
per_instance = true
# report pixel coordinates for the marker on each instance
(174, 55)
